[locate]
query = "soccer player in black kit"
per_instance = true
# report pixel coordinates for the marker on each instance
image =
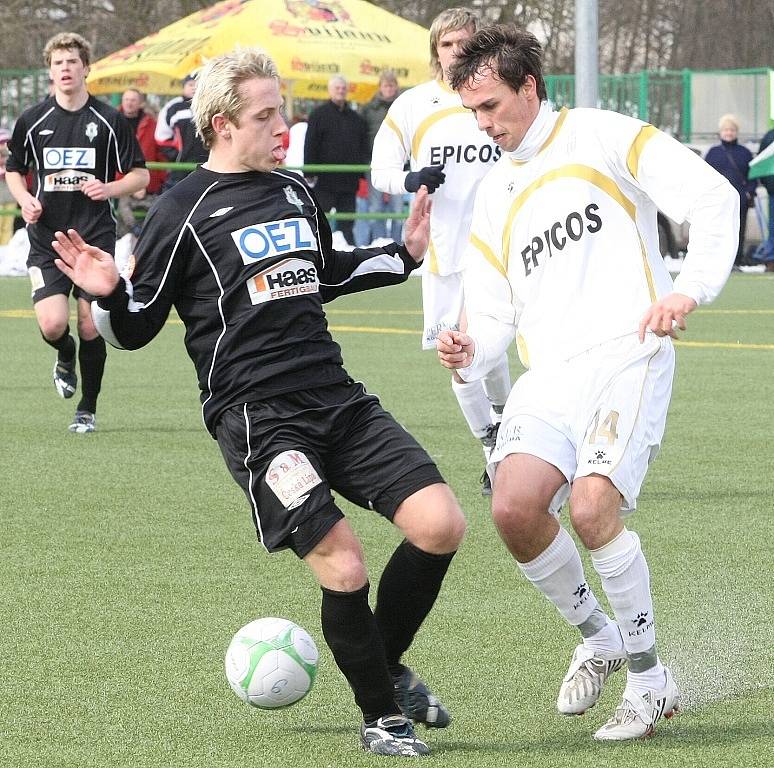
(242, 251)
(76, 145)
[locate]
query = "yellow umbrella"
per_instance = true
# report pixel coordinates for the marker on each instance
(311, 40)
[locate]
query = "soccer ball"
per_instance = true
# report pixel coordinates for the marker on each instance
(271, 663)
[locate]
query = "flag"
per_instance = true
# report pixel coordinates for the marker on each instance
(763, 164)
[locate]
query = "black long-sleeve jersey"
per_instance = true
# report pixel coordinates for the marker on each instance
(247, 261)
(67, 149)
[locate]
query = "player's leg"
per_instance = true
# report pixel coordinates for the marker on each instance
(50, 292)
(622, 438)
(379, 465)
(434, 525)
(537, 458)
(442, 301)
(353, 636)
(271, 450)
(92, 354)
(496, 387)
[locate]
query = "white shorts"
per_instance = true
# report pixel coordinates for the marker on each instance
(442, 301)
(602, 412)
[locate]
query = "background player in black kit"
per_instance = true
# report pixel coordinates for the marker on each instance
(76, 145)
(242, 251)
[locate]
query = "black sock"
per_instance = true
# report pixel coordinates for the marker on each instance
(64, 345)
(91, 356)
(407, 590)
(353, 637)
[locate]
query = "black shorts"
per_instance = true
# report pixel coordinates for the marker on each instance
(289, 452)
(48, 280)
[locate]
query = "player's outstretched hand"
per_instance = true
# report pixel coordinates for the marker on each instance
(431, 176)
(417, 232)
(455, 349)
(89, 267)
(667, 314)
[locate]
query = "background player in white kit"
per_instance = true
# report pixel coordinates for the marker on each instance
(565, 235)
(428, 128)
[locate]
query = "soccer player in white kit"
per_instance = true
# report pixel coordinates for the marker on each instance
(565, 237)
(428, 127)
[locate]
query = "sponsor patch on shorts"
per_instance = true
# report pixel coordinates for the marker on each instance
(291, 277)
(36, 278)
(291, 477)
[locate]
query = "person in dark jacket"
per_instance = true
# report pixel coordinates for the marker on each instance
(732, 160)
(337, 135)
(381, 202)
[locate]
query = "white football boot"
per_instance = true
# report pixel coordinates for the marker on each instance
(582, 685)
(636, 716)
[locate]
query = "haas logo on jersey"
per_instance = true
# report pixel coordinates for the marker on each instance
(291, 277)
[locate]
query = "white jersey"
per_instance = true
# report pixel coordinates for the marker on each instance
(564, 245)
(427, 125)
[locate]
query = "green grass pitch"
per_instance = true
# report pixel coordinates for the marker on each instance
(128, 560)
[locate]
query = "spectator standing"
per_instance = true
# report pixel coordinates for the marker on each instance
(143, 123)
(732, 160)
(766, 251)
(290, 422)
(428, 128)
(176, 133)
(78, 145)
(381, 202)
(336, 135)
(564, 252)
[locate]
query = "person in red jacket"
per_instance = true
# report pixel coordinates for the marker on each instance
(143, 123)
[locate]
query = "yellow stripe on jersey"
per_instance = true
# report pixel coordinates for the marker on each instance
(390, 123)
(429, 121)
(432, 267)
(647, 132)
(489, 255)
(563, 112)
(592, 176)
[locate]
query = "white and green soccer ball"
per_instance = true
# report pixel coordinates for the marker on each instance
(271, 663)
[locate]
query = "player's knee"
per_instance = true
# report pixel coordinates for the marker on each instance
(514, 516)
(52, 328)
(594, 515)
(432, 520)
(346, 573)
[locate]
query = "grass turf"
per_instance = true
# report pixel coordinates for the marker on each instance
(128, 559)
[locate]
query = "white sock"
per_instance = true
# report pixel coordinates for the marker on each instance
(626, 581)
(606, 639)
(474, 405)
(497, 385)
(558, 573)
(652, 679)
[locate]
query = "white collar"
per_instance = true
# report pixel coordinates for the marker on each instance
(537, 134)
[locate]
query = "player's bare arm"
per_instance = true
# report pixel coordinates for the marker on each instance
(667, 314)
(135, 180)
(31, 207)
(455, 349)
(89, 267)
(417, 235)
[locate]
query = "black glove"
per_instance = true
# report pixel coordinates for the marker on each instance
(431, 176)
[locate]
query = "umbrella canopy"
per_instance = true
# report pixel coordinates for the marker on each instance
(763, 164)
(310, 40)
